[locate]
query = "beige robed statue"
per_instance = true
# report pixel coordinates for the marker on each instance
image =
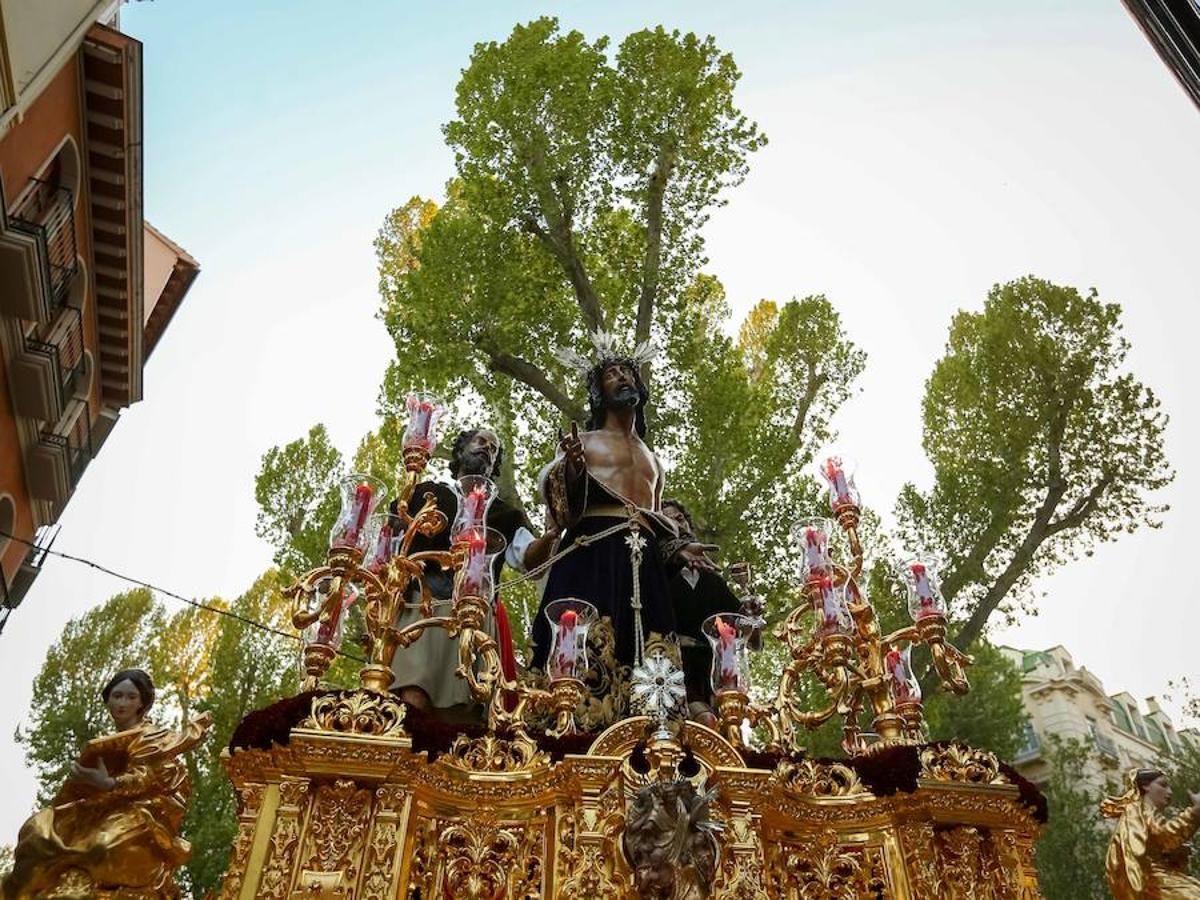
(1148, 853)
(113, 829)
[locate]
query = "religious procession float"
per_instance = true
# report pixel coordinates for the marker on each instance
(605, 768)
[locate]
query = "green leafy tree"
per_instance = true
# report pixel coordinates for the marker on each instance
(253, 668)
(1070, 852)
(181, 657)
(6, 860)
(1042, 445)
(296, 490)
(66, 710)
(992, 715)
(581, 187)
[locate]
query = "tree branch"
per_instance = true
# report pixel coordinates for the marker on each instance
(655, 194)
(1083, 507)
(770, 472)
(973, 563)
(1036, 536)
(560, 239)
(528, 374)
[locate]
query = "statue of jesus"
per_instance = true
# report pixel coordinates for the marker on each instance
(615, 548)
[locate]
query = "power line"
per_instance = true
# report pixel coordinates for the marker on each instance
(245, 620)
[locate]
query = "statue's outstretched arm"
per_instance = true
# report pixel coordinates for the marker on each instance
(1169, 834)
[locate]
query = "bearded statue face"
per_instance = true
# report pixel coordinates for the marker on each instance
(476, 452)
(614, 385)
(618, 383)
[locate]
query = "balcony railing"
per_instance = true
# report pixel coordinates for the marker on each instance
(1106, 745)
(1030, 748)
(67, 373)
(76, 447)
(48, 213)
(79, 448)
(31, 567)
(53, 366)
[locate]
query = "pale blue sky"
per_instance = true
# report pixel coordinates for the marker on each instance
(919, 153)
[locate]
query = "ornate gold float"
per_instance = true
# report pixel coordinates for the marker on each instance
(333, 814)
(348, 794)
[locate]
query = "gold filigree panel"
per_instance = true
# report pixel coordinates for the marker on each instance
(968, 862)
(478, 857)
(811, 778)
(357, 712)
(336, 832)
(821, 867)
(495, 755)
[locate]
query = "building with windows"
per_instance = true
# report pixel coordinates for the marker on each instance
(86, 284)
(1068, 701)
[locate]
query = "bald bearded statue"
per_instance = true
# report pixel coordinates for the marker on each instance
(603, 479)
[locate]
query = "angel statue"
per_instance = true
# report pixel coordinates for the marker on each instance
(113, 829)
(1148, 853)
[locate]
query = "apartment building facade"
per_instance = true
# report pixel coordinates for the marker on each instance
(86, 284)
(1068, 701)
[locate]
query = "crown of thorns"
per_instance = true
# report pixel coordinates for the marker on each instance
(605, 344)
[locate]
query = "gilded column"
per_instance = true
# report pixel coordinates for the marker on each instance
(381, 866)
(586, 862)
(285, 840)
(742, 874)
(250, 801)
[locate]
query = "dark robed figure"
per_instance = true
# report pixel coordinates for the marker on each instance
(607, 479)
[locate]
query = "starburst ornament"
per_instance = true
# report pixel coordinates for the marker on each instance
(636, 543)
(657, 688)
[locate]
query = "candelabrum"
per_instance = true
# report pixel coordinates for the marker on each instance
(371, 556)
(834, 635)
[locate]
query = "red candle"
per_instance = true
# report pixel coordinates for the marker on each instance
(327, 632)
(473, 506)
(924, 590)
(727, 655)
(564, 661)
(419, 424)
(360, 508)
(904, 687)
(814, 549)
(383, 549)
(475, 566)
(832, 618)
(899, 682)
(838, 481)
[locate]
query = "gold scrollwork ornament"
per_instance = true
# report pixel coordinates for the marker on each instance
(960, 763)
(357, 712)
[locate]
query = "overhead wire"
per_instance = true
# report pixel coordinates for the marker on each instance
(198, 604)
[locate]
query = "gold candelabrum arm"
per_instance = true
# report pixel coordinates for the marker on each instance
(849, 664)
(387, 591)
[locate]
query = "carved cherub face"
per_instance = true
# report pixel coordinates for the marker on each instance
(125, 704)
